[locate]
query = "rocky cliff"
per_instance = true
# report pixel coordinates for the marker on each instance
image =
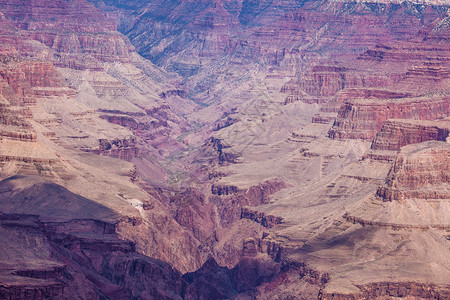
(362, 119)
(271, 149)
(92, 33)
(420, 171)
(72, 250)
(398, 133)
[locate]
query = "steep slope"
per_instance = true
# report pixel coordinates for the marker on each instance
(287, 148)
(58, 245)
(68, 87)
(366, 62)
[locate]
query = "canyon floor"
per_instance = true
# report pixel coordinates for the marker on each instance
(222, 149)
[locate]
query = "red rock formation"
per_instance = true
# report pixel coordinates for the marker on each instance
(398, 133)
(268, 221)
(124, 149)
(13, 125)
(27, 78)
(191, 37)
(192, 212)
(420, 171)
(229, 207)
(327, 81)
(285, 37)
(362, 119)
(91, 32)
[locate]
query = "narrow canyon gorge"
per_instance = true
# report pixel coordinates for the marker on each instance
(225, 149)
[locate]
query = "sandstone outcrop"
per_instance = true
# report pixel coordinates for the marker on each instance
(362, 119)
(398, 133)
(124, 149)
(229, 207)
(420, 171)
(259, 217)
(92, 33)
(220, 159)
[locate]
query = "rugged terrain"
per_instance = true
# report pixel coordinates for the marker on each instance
(222, 149)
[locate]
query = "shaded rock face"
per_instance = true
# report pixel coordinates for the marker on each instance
(266, 221)
(214, 282)
(79, 254)
(224, 157)
(419, 172)
(229, 207)
(76, 256)
(223, 190)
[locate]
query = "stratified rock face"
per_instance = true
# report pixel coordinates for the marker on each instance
(13, 125)
(212, 281)
(420, 171)
(289, 214)
(229, 204)
(411, 69)
(324, 81)
(398, 133)
(79, 16)
(67, 248)
(259, 217)
(37, 35)
(362, 119)
(30, 79)
(125, 148)
(65, 61)
(70, 28)
(201, 41)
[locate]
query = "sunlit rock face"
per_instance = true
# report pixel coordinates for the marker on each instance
(224, 149)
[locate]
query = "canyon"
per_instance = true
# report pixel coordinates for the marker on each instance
(222, 149)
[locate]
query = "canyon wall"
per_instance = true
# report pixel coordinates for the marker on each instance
(420, 171)
(199, 157)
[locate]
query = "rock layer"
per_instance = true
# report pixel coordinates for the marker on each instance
(398, 133)
(362, 119)
(419, 171)
(244, 177)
